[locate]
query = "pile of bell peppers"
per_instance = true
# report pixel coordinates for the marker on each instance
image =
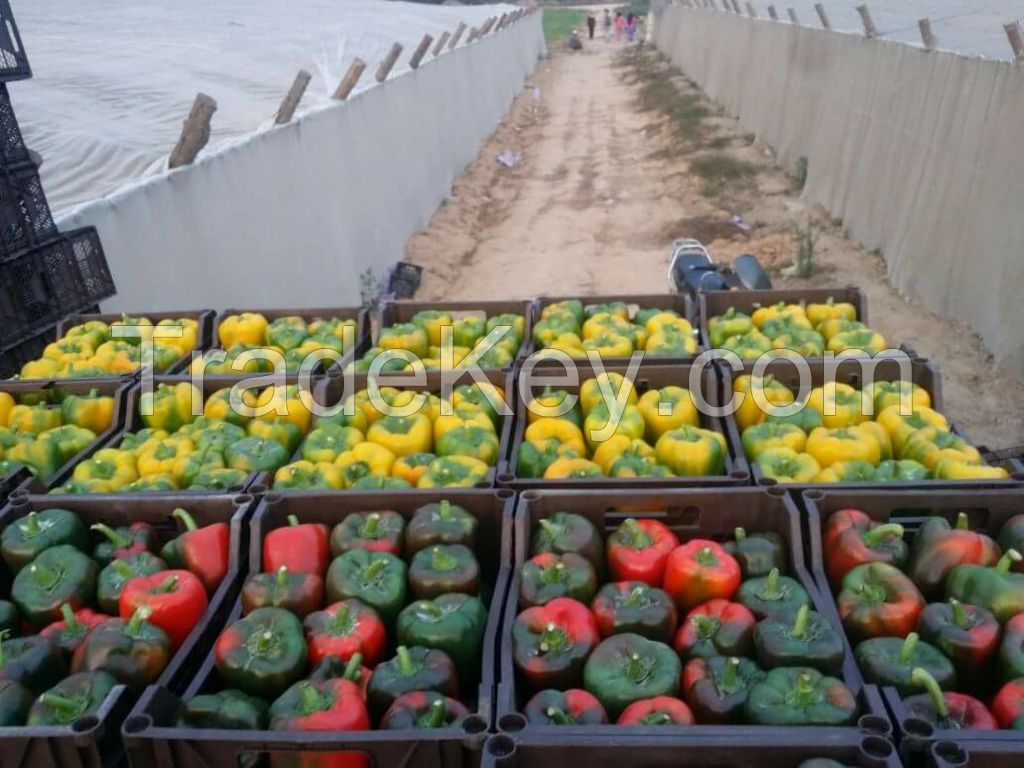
(293, 337)
(937, 613)
(615, 329)
(431, 332)
(45, 430)
(448, 443)
(376, 622)
(215, 451)
(887, 432)
(657, 434)
(785, 329)
(92, 350)
(641, 629)
(91, 607)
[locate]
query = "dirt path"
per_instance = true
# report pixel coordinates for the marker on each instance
(605, 183)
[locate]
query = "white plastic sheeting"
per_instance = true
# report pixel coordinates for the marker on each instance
(113, 79)
(293, 215)
(920, 154)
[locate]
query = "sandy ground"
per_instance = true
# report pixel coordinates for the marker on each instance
(602, 191)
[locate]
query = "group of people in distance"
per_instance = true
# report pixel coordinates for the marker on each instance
(622, 27)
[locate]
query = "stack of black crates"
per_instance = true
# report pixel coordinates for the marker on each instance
(44, 274)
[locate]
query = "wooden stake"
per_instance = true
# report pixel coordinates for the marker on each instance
(927, 37)
(773, 13)
(194, 133)
(441, 41)
(420, 52)
(1016, 41)
(348, 82)
(821, 15)
(293, 97)
(736, 7)
(792, 15)
(389, 62)
(459, 31)
(501, 22)
(750, 10)
(473, 34)
(486, 29)
(865, 17)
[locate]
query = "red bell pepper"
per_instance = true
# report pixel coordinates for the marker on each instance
(550, 643)
(658, 710)
(74, 628)
(877, 600)
(177, 600)
(328, 705)
(204, 551)
(716, 628)
(638, 549)
(945, 709)
(698, 571)
(572, 707)
(967, 634)
(1008, 705)
(938, 549)
(343, 629)
(851, 538)
(302, 548)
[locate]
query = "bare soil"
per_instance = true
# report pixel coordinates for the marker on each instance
(615, 165)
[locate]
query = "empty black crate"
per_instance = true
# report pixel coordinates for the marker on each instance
(13, 61)
(29, 347)
(25, 217)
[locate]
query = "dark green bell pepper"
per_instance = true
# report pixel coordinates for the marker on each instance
(219, 480)
(300, 593)
(379, 531)
(256, 454)
(772, 595)
(635, 606)
(443, 569)
(228, 709)
(111, 580)
(439, 523)
(376, 578)
(263, 653)
(809, 640)
(995, 589)
(60, 574)
(546, 576)
(34, 661)
(565, 532)
(15, 701)
(133, 651)
(628, 667)
(71, 699)
(123, 541)
(800, 696)
(757, 553)
(453, 623)
(412, 669)
(890, 661)
(10, 621)
(717, 687)
(23, 540)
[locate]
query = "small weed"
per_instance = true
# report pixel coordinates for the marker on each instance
(370, 289)
(720, 168)
(806, 239)
(800, 174)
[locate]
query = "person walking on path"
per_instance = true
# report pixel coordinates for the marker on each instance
(620, 26)
(631, 28)
(607, 26)
(591, 25)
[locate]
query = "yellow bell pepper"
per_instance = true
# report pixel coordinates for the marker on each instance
(403, 435)
(794, 312)
(170, 406)
(290, 403)
(367, 412)
(33, 419)
(7, 403)
(784, 465)
(840, 405)
(612, 449)
(609, 344)
(488, 396)
(108, 465)
(568, 468)
(666, 340)
(364, 460)
(833, 326)
(690, 451)
(666, 409)
(886, 393)
(748, 412)
(90, 411)
(831, 445)
(244, 328)
(881, 435)
(846, 472)
(902, 428)
(161, 457)
(454, 472)
(849, 343)
(540, 405)
(463, 417)
(666, 320)
(279, 430)
(930, 444)
(182, 334)
(405, 336)
(569, 344)
(591, 394)
(40, 369)
(69, 349)
(218, 407)
(605, 322)
(564, 431)
(818, 313)
(302, 475)
(948, 468)
(412, 467)
(630, 423)
(772, 434)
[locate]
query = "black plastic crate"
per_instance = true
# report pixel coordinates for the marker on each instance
(715, 384)
(13, 61)
(674, 751)
(12, 145)
(691, 513)
(976, 754)
(29, 348)
(25, 217)
(94, 741)
(91, 262)
(987, 511)
(152, 740)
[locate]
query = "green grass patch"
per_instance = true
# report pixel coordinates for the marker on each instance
(559, 22)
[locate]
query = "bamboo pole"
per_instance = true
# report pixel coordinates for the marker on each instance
(867, 21)
(293, 97)
(348, 82)
(792, 15)
(927, 36)
(441, 41)
(420, 52)
(389, 62)
(773, 13)
(822, 15)
(459, 32)
(195, 132)
(1013, 34)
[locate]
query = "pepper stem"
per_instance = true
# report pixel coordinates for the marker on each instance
(67, 708)
(430, 608)
(636, 667)
(961, 522)
(341, 616)
(310, 700)
(557, 716)
(442, 561)
(739, 534)
(876, 535)
(352, 668)
(370, 526)
(804, 694)
(32, 524)
(167, 585)
(633, 535)
(374, 569)
(123, 569)
(42, 574)
(70, 622)
(554, 530)
(1012, 556)
(142, 613)
(186, 519)
(444, 509)
(553, 638)
(635, 598)
(924, 678)
(960, 617)
(655, 718)
(800, 624)
(730, 674)
(706, 557)
(771, 586)
(405, 664)
(119, 540)
(907, 651)
(292, 520)
(282, 576)
(435, 716)
(706, 625)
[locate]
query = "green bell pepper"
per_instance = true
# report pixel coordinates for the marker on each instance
(809, 640)
(800, 696)
(534, 458)
(287, 333)
(226, 710)
(24, 539)
(10, 621)
(256, 454)
(996, 589)
(263, 653)
(376, 578)
(445, 568)
(69, 439)
(219, 480)
(134, 651)
(34, 661)
(15, 701)
(453, 623)
(547, 575)
(564, 532)
(71, 699)
(412, 669)
(300, 593)
(328, 441)
(41, 457)
(439, 523)
(806, 418)
(469, 440)
(892, 471)
(889, 661)
(467, 331)
(757, 553)
(379, 531)
(772, 595)
(61, 574)
(628, 667)
(215, 435)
